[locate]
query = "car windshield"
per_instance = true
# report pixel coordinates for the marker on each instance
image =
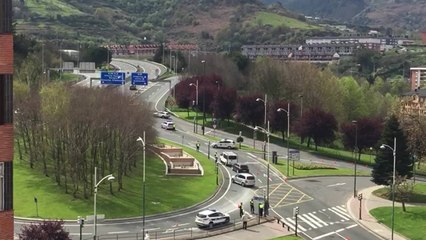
(244, 167)
(201, 215)
(250, 178)
(232, 157)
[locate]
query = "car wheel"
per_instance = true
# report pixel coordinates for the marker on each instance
(227, 220)
(211, 225)
(233, 180)
(243, 184)
(229, 147)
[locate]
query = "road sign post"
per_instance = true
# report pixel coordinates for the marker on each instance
(113, 78)
(139, 78)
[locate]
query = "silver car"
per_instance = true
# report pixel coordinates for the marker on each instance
(244, 179)
(224, 143)
(210, 218)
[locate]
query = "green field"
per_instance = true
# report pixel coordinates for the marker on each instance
(275, 20)
(163, 193)
(418, 196)
(411, 224)
(47, 8)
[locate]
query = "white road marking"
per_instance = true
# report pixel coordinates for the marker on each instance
(302, 217)
(338, 214)
(335, 232)
(337, 184)
(120, 232)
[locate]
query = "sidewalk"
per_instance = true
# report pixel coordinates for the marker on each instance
(369, 202)
(264, 231)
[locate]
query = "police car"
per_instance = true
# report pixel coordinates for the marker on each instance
(210, 218)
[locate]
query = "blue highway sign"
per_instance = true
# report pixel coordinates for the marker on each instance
(139, 78)
(116, 78)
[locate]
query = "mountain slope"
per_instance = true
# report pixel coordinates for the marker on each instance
(402, 14)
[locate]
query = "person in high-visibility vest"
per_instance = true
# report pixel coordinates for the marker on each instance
(251, 206)
(261, 209)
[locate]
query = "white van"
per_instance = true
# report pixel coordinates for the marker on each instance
(228, 158)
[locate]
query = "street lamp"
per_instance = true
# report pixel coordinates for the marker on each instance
(301, 105)
(142, 140)
(266, 131)
(383, 146)
(356, 153)
(265, 102)
(288, 134)
(196, 103)
(204, 95)
(109, 178)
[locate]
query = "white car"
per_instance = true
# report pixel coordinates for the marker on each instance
(224, 143)
(162, 114)
(210, 218)
(168, 125)
(244, 179)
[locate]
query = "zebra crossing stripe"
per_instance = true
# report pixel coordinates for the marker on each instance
(338, 214)
(343, 210)
(302, 217)
(318, 219)
(312, 220)
(298, 225)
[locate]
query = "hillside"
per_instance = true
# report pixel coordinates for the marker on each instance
(153, 21)
(397, 14)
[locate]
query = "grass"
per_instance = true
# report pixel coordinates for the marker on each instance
(163, 193)
(53, 8)
(411, 223)
(67, 77)
(418, 196)
(310, 170)
(275, 20)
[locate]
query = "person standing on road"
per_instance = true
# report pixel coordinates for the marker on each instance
(197, 145)
(241, 209)
(251, 206)
(260, 210)
(146, 236)
(215, 157)
(245, 218)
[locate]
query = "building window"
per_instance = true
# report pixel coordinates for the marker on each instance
(1, 186)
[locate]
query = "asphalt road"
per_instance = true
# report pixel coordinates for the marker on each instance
(321, 200)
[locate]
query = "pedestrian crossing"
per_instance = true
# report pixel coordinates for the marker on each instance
(315, 219)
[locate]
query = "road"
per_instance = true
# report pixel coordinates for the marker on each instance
(320, 200)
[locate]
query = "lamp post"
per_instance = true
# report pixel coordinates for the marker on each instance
(383, 146)
(109, 178)
(265, 102)
(204, 95)
(301, 105)
(356, 153)
(266, 131)
(142, 140)
(288, 134)
(196, 103)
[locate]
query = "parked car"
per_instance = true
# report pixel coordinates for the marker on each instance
(162, 114)
(210, 218)
(244, 179)
(168, 125)
(228, 158)
(224, 143)
(133, 87)
(240, 168)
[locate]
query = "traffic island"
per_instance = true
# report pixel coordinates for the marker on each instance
(177, 161)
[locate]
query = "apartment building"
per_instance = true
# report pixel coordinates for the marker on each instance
(6, 120)
(418, 78)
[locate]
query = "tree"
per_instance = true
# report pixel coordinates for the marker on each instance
(250, 111)
(318, 125)
(369, 132)
(404, 190)
(99, 55)
(46, 230)
(383, 168)
(224, 103)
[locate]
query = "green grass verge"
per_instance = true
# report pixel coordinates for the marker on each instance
(310, 170)
(47, 8)
(163, 193)
(418, 196)
(411, 223)
(275, 20)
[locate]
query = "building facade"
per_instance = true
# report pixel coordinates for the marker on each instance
(6, 120)
(414, 103)
(418, 78)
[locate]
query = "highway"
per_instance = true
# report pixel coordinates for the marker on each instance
(321, 200)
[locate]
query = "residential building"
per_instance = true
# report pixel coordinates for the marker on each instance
(418, 78)
(414, 103)
(6, 120)
(148, 49)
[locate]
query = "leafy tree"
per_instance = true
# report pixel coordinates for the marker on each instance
(250, 111)
(353, 99)
(99, 55)
(225, 103)
(363, 134)
(318, 125)
(383, 169)
(46, 230)
(404, 189)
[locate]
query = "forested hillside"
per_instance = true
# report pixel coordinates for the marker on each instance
(397, 14)
(206, 22)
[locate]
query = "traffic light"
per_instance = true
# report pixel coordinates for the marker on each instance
(80, 221)
(296, 210)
